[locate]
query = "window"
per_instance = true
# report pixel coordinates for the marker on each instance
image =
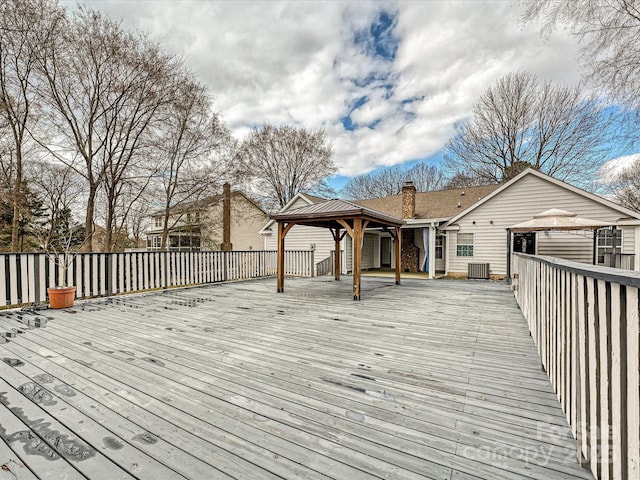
(157, 222)
(464, 246)
(193, 218)
(607, 240)
(154, 242)
(439, 247)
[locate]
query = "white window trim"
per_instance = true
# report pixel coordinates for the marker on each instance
(599, 247)
(472, 244)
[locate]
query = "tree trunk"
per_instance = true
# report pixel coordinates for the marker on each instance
(88, 223)
(165, 230)
(17, 203)
(108, 234)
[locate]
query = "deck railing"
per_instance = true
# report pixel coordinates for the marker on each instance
(585, 322)
(26, 276)
(325, 266)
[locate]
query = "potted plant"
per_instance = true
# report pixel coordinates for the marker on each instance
(62, 251)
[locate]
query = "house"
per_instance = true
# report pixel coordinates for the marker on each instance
(121, 241)
(447, 230)
(201, 225)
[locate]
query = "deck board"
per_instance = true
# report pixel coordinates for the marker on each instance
(430, 379)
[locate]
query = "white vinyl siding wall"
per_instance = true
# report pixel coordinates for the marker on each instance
(370, 252)
(301, 237)
(527, 197)
(628, 240)
(571, 246)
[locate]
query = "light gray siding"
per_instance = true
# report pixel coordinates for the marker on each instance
(628, 239)
(369, 251)
(572, 246)
(246, 220)
(527, 197)
(298, 203)
(301, 237)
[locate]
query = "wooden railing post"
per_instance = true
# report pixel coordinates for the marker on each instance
(585, 323)
(36, 275)
(109, 273)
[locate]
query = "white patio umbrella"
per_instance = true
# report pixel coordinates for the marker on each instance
(557, 220)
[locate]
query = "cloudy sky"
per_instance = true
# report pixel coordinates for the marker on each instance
(387, 80)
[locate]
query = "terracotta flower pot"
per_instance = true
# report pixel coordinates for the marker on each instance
(61, 297)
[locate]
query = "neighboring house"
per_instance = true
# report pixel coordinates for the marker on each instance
(449, 229)
(99, 240)
(199, 225)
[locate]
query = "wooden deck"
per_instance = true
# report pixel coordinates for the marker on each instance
(430, 379)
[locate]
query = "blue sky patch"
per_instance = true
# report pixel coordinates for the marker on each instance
(379, 39)
(347, 123)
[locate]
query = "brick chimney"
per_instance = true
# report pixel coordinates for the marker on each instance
(226, 219)
(408, 200)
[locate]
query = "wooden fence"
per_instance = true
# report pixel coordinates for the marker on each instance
(26, 276)
(585, 323)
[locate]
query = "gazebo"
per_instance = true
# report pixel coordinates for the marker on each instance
(340, 217)
(555, 220)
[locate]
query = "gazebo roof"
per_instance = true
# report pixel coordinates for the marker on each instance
(556, 219)
(326, 214)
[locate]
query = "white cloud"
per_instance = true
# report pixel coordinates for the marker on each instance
(614, 167)
(296, 62)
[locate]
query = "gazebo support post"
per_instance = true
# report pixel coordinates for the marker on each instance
(398, 241)
(336, 254)
(336, 261)
(341, 218)
(280, 257)
(357, 257)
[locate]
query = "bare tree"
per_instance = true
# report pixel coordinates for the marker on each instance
(463, 180)
(521, 122)
(24, 26)
(149, 82)
(191, 144)
(105, 87)
(389, 181)
(58, 188)
(426, 177)
(609, 33)
(627, 186)
(282, 161)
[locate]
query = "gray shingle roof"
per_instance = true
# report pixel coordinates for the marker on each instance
(438, 204)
